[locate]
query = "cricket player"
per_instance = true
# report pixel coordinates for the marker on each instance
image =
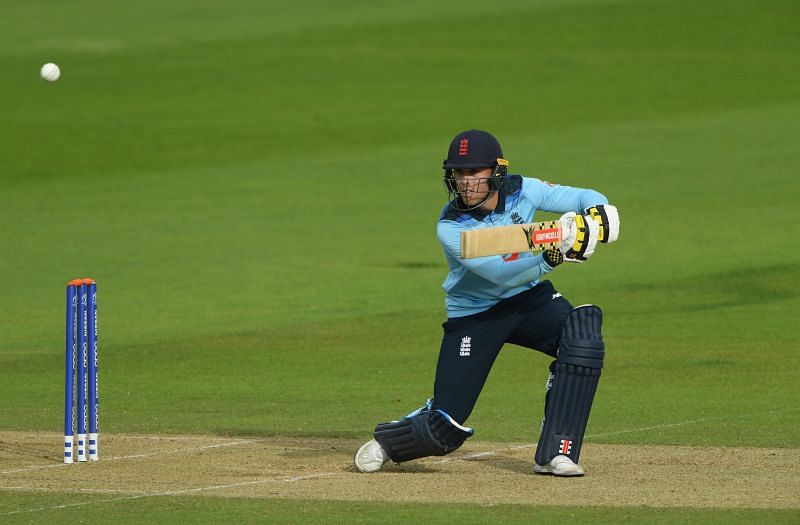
(502, 299)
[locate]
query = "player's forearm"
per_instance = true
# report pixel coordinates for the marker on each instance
(566, 199)
(591, 198)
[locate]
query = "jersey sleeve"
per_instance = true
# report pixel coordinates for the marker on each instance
(494, 268)
(560, 199)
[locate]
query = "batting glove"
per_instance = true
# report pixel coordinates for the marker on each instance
(607, 218)
(579, 236)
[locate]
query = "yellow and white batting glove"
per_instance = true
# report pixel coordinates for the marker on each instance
(607, 218)
(579, 236)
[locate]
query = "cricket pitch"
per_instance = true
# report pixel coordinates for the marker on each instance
(140, 466)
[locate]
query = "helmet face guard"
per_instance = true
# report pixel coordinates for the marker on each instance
(493, 184)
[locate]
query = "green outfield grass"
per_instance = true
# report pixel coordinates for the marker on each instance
(233, 510)
(255, 188)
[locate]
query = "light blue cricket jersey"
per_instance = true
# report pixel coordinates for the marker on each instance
(475, 285)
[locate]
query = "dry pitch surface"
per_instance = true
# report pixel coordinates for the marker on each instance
(137, 466)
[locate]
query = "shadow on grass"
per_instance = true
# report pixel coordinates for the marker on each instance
(744, 287)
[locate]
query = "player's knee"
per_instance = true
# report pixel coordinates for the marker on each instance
(429, 433)
(581, 341)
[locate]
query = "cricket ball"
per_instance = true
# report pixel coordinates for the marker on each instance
(50, 72)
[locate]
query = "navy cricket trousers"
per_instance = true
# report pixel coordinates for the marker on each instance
(471, 344)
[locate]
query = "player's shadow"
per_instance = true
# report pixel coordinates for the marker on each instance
(393, 468)
(519, 466)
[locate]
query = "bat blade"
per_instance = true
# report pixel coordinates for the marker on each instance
(516, 238)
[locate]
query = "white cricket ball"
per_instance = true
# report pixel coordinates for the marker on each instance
(50, 72)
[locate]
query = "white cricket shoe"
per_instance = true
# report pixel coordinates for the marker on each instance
(371, 457)
(560, 466)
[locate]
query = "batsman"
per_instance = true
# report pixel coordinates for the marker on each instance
(502, 299)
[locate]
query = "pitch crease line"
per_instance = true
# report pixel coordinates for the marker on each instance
(149, 454)
(71, 491)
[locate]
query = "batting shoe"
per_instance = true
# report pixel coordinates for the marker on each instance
(371, 457)
(560, 466)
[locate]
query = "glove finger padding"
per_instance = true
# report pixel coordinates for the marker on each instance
(579, 236)
(607, 217)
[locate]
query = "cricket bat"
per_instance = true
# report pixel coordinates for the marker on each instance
(516, 238)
